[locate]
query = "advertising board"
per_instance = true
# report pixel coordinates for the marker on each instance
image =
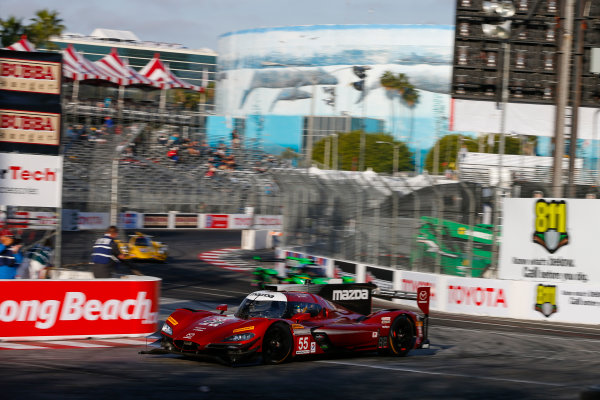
(216, 221)
(30, 180)
(550, 240)
(564, 302)
(186, 220)
(92, 220)
(30, 106)
(479, 296)
(155, 221)
(35, 309)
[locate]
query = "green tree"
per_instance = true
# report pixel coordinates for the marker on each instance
(449, 146)
(378, 156)
(44, 25)
(12, 29)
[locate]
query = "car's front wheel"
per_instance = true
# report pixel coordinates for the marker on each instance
(277, 344)
(402, 336)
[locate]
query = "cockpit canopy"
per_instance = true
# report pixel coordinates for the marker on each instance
(266, 304)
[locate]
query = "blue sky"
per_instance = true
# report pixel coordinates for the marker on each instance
(199, 23)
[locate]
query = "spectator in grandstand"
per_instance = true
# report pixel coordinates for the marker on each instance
(173, 154)
(40, 258)
(162, 139)
(10, 254)
(235, 140)
(210, 172)
(106, 255)
(174, 140)
(205, 149)
(108, 124)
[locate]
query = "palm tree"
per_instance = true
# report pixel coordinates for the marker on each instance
(398, 85)
(11, 30)
(411, 99)
(44, 25)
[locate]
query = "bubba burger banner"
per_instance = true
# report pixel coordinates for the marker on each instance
(30, 106)
(36, 309)
(30, 180)
(550, 240)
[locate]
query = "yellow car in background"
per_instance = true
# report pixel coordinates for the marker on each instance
(141, 247)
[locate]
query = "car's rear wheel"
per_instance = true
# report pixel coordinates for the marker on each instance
(277, 344)
(402, 338)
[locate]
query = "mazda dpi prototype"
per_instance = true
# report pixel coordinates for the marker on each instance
(275, 326)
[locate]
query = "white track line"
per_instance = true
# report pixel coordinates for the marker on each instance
(428, 372)
(127, 341)
(18, 346)
(74, 344)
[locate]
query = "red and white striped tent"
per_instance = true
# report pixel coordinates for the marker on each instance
(113, 64)
(22, 45)
(159, 73)
(79, 68)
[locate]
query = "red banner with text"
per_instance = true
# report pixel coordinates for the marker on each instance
(35, 309)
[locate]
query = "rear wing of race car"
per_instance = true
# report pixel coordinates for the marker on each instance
(357, 297)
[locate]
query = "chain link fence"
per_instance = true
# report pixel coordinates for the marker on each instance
(404, 223)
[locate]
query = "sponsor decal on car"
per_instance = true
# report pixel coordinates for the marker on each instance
(305, 345)
(244, 329)
(215, 321)
(297, 326)
(351, 294)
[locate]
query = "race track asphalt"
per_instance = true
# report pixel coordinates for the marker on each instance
(470, 358)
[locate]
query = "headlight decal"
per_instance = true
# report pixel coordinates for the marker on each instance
(240, 337)
(167, 329)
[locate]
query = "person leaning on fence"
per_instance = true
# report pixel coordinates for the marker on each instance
(10, 255)
(40, 258)
(106, 254)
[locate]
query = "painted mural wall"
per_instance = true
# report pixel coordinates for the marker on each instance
(287, 71)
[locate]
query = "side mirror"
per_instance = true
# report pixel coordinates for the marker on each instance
(222, 308)
(302, 316)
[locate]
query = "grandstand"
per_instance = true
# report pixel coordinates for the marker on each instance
(147, 180)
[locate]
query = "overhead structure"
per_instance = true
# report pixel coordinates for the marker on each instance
(22, 45)
(113, 64)
(160, 74)
(114, 69)
(79, 68)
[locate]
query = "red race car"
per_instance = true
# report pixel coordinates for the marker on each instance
(275, 326)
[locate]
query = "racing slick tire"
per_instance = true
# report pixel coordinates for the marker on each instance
(402, 337)
(277, 344)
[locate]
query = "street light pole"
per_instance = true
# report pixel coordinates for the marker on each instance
(311, 125)
(561, 104)
(505, 73)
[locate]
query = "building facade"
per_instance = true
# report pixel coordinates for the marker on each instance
(297, 72)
